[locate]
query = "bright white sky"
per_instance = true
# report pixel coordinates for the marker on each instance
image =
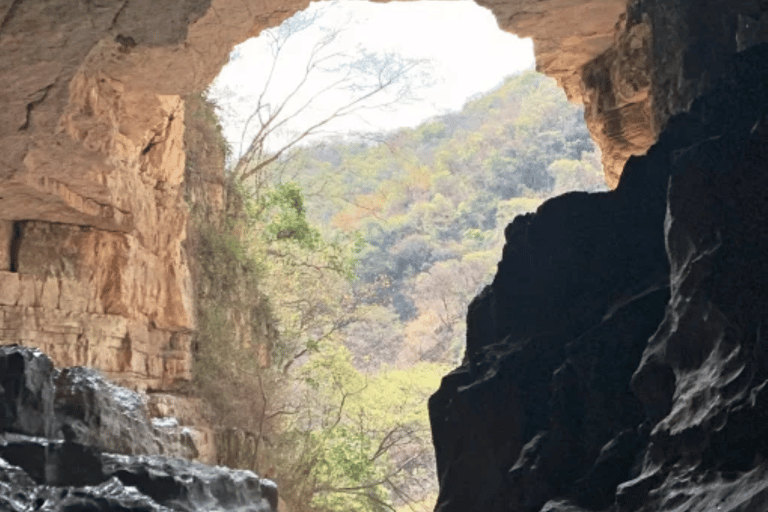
(469, 55)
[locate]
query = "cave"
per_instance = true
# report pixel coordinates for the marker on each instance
(618, 360)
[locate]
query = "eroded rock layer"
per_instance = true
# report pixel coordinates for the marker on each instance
(91, 145)
(618, 361)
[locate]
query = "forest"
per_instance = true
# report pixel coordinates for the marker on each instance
(333, 287)
(428, 206)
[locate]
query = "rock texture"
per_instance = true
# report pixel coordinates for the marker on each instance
(67, 476)
(69, 440)
(633, 64)
(618, 361)
(92, 218)
(600, 52)
(92, 221)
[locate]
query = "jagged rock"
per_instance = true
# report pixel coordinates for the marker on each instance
(581, 263)
(595, 380)
(181, 420)
(91, 153)
(53, 462)
(91, 267)
(13, 477)
(26, 392)
(111, 496)
(79, 404)
(86, 470)
(708, 361)
(94, 412)
(73, 475)
(190, 486)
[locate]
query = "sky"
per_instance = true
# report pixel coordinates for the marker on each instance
(463, 52)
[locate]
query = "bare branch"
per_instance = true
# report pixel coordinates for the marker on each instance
(364, 76)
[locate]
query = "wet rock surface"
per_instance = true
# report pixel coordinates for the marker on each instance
(72, 441)
(619, 360)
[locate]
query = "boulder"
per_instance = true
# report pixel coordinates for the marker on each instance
(71, 440)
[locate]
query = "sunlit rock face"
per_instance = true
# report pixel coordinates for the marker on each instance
(666, 54)
(599, 51)
(618, 361)
(70, 440)
(92, 218)
(91, 140)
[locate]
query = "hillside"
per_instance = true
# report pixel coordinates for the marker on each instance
(333, 292)
(431, 204)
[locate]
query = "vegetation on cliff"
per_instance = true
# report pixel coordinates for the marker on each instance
(273, 291)
(331, 296)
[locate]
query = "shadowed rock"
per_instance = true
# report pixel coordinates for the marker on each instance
(85, 470)
(619, 359)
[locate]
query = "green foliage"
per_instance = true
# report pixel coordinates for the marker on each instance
(369, 253)
(430, 132)
(284, 216)
(357, 434)
(427, 196)
(207, 148)
(235, 331)
(583, 174)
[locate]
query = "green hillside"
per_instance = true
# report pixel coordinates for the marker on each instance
(431, 203)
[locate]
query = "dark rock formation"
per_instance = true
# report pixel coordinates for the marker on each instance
(27, 392)
(69, 442)
(94, 412)
(619, 359)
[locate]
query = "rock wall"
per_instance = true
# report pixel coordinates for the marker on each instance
(92, 217)
(633, 64)
(92, 220)
(618, 360)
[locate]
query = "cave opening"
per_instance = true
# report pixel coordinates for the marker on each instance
(373, 224)
(304, 352)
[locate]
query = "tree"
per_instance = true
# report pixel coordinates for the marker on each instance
(442, 294)
(351, 80)
(357, 443)
(584, 174)
(305, 273)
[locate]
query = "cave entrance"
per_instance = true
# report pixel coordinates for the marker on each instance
(376, 160)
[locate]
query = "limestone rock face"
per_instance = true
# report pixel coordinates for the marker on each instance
(618, 360)
(92, 217)
(616, 363)
(91, 145)
(599, 52)
(567, 34)
(67, 476)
